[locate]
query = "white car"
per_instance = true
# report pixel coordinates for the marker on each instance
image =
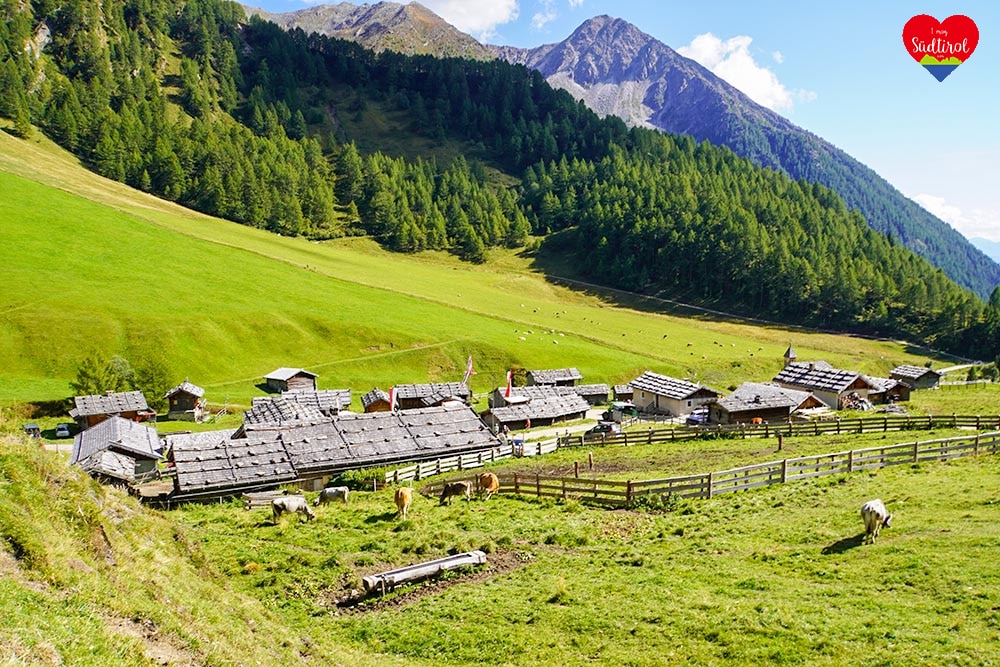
(62, 431)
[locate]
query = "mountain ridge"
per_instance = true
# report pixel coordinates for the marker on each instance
(617, 69)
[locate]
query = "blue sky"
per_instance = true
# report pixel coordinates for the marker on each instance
(838, 69)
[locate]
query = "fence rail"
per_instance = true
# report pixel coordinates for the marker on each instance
(613, 493)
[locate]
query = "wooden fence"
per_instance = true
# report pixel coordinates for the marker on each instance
(613, 493)
(881, 424)
(425, 469)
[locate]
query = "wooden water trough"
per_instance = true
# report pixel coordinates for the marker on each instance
(388, 580)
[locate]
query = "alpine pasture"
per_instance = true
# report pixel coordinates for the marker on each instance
(776, 575)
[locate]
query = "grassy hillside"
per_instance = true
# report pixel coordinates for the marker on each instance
(88, 577)
(93, 266)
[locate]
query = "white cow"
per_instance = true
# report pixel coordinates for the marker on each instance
(875, 515)
(291, 505)
(331, 493)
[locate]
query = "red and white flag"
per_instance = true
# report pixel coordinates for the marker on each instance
(392, 399)
(468, 371)
(506, 394)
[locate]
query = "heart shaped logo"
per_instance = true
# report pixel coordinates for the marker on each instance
(940, 46)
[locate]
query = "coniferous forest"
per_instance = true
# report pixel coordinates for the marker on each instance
(236, 118)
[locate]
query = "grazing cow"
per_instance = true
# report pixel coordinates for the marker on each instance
(874, 514)
(452, 489)
(488, 484)
(291, 505)
(757, 421)
(331, 493)
(404, 496)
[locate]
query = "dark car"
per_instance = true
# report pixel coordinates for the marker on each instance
(604, 429)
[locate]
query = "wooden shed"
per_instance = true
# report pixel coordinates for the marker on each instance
(558, 377)
(916, 377)
(92, 409)
(186, 402)
(545, 411)
(376, 400)
(410, 396)
(767, 402)
(117, 449)
(290, 379)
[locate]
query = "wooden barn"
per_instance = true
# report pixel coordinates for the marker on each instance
(290, 379)
(595, 394)
(556, 377)
(91, 410)
(916, 377)
(410, 396)
(831, 385)
(217, 464)
(376, 400)
(117, 450)
(660, 394)
(186, 402)
(887, 390)
(767, 402)
(623, 392)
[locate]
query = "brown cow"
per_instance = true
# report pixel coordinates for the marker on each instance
(488, 484)
(404, 497)
(452, 489)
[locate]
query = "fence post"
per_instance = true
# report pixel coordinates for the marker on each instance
(625, 436)
(628, 493)
(711, 475)
(784, 470)
(767, 430)
(885, 424)
(975, 449)
(590, 460)
(564, 489)
(977, 422)
(517, 484)
(850, 461)
(538, 485)
(576, 469)
(539, 448)
(916, 445)
(395, 476)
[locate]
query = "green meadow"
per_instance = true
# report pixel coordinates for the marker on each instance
(93, 267)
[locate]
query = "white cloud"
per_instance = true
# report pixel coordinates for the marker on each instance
(778, 56)
(575, 3)
(547, 15)
(974, 223)
(479, 18)
(732, 61)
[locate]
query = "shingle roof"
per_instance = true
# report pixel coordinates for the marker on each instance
(327, 401)
(108, 404)
(223, 464)
(881, 385)
(374, 396)
(817, 376)
(555, 375)
(591, 389)
(758, 396)
(280, 409)
(120, 435)
(287, 373)
(663, 385)
(435, 390)
(908, 372)
(111, 464)
(187, 388)
(551, 407)
(534, 391)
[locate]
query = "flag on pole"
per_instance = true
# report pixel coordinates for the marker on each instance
(392, 399)
(468, 371)
(506, 394)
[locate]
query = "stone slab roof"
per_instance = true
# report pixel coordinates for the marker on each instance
(110, 403)
(555, 375)
(759, 396)
(374, 396)
(907, 372)
(437, 391)
(550, 407)
(116, 434)
(817, 376)
(187, 388)
(279, 410)
(662, 385)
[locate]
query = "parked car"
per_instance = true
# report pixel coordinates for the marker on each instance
(698, 417)
(63, 430)
(603, 429)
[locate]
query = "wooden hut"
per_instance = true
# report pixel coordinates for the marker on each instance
(558, 377)
(91, 410)
(410, 396)
(767, 402)
(186, 402)
(290, 379)
(916, 377)
(376, 400)
(117, 449)
(831, 385)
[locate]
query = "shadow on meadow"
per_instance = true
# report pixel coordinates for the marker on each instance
(840, 546)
